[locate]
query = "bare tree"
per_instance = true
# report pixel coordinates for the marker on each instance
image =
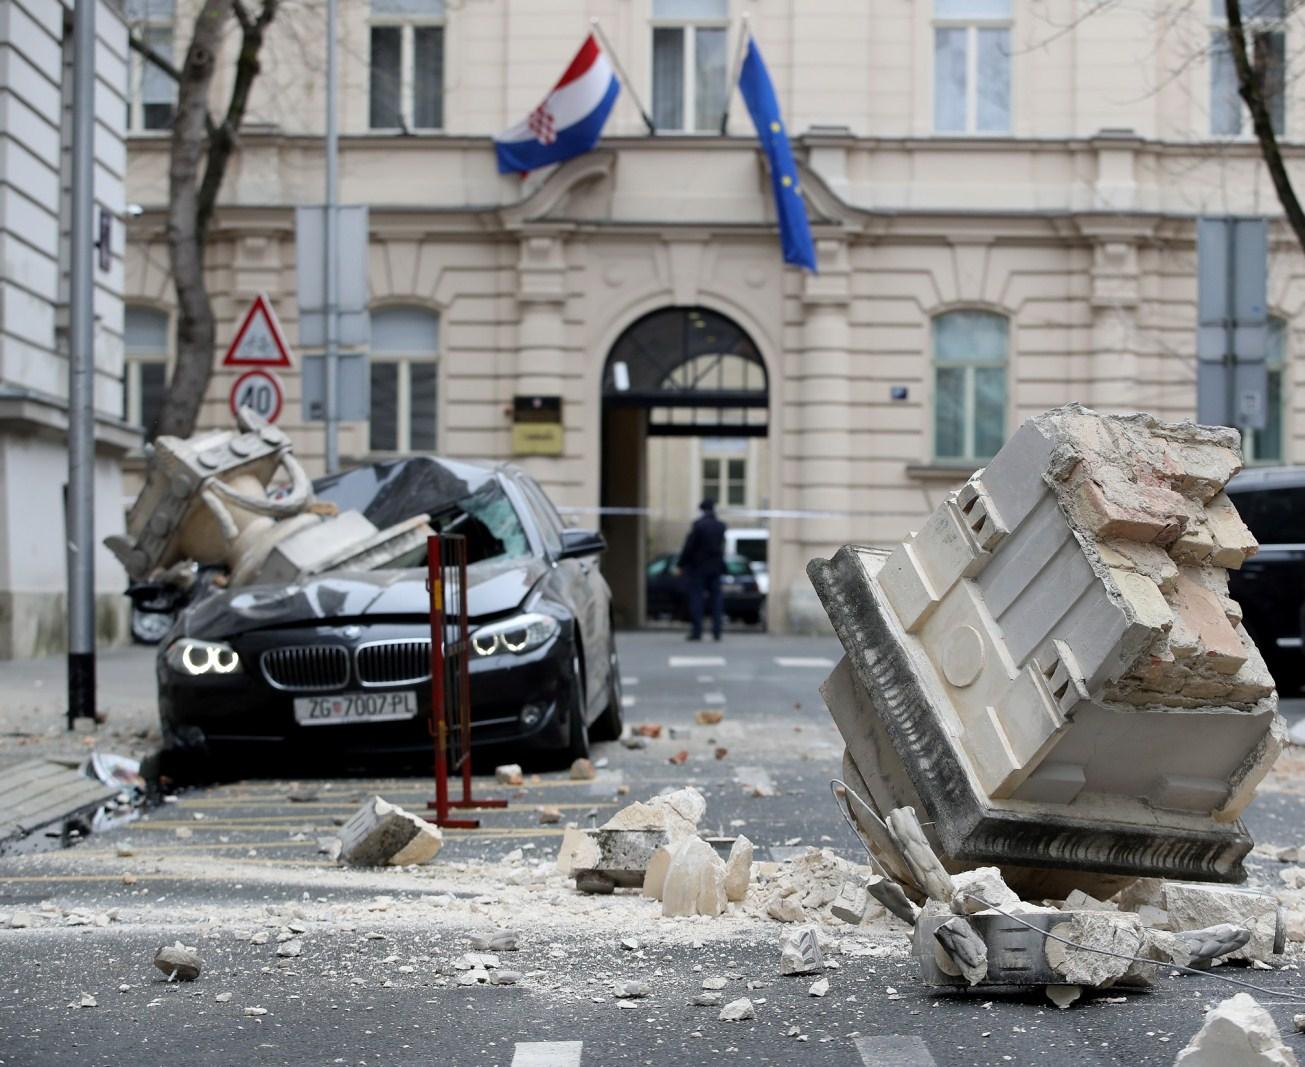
(1256, 78)
(201, 150)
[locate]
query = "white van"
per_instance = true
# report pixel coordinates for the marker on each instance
(752, 543)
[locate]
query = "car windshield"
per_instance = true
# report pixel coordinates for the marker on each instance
(486, 519)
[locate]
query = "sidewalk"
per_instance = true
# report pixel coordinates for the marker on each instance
(34, 703)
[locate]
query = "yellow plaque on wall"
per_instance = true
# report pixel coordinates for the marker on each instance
(537, 426)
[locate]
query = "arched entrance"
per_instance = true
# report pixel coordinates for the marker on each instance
(685, 414)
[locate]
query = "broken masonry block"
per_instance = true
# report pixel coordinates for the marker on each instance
(178, 962)
(695, 880)
(509, 774)
(979, 890)
(618, 856)
(799, 951)
(929, 875)
(1193, 906)
(1213, 941)
(380, 833)
(965, 948)
(891, 895)
(738, 869)
(850, 904)
(1051, 673)
(1237, 1031)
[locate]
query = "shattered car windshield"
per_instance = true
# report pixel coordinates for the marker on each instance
(486, 519)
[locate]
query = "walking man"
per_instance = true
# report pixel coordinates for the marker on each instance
(702, 562)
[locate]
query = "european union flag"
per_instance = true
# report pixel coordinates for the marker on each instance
(759, 94)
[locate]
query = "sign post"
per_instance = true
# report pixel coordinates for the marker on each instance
(1232, 381)
(258, 341)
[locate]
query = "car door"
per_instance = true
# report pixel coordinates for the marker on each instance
(583, 578)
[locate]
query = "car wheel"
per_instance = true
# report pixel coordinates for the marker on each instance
(608, 726)
(578, 742)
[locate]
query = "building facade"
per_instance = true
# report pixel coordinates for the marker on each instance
(1003, 197)
(35, 170)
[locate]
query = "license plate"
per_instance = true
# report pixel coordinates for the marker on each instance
(355, 707)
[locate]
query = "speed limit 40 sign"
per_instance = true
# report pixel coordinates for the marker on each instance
(258, 389)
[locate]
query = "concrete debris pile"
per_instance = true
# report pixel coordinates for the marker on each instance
(382, 834)
(1051, 670)
(240, 499)
(807, 889)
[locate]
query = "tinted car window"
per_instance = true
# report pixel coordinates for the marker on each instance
(1276, 516)
(658, 566)
(737, 565)
(550, 523)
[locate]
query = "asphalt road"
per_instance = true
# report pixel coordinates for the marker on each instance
(376, 978)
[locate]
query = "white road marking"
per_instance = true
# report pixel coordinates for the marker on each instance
(629, 681)
(628, 701)
(804, 661)
(706, 679)
(547, 1054)
(713, 698)
(696, 661)
(894, 1050)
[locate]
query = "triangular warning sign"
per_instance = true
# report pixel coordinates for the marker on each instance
(259, 341)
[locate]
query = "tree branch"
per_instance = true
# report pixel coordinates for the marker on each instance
(1251, 83)
(152, 56)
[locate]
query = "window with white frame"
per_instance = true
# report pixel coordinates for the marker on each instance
(969, 398)
(971, 66)
(725, 480)
(144, 368)
(152, 95)
(1266, 46)
(404, 368)
(689, 64)
(406, 85)
(1265, 446)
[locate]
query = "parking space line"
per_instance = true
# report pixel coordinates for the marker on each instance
(696, 661)
(820, 662)
(894, 1050)
(547, 1054)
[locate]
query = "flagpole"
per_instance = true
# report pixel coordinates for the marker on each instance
(737, 69)
(620, 73)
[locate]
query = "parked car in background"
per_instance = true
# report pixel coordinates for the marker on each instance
(753, 544)
(668, 598)
(339, 664)
(1270, 587)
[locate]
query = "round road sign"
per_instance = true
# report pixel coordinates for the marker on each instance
(260, 390)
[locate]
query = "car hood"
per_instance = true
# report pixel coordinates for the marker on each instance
(493, 587)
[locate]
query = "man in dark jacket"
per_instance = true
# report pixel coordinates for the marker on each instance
(702, 562)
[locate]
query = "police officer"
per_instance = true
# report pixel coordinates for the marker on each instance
(702, 562)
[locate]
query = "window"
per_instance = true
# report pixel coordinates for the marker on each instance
(152, 97)
(969, 359)
(145, 368)
(1265, 446)
(407, 65)
(689, 61)
(1267, 45)
(971, 66)
(725, 480)
(404, 380)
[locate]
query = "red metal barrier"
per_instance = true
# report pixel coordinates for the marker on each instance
(450, 677)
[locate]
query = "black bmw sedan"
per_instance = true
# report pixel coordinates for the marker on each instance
(338, 665)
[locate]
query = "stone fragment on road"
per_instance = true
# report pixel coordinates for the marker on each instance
(222, 998)
(382, 834)
(708, 716)
(504, 977)
(550, 815)
(707, 999)
(818, 988)
(737, 1011)
(1213, 941)
(1197, 906)
(632, 989)
(1237, 1031)
(509, 774)
(1063, 995)
(966, 949)
(178, 962)
(290, 949)
(582, 770)
(738, 869)
(502, 941)
(255, 1013)
(680, 757)
(695, 880)
(799, 951)
(86, 1000)
(715, 982)
(1116, 932)
(850, 904)
(984, 883)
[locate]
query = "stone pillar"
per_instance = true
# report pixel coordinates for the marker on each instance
(1113, 358)
(541, 336)
(818, 428)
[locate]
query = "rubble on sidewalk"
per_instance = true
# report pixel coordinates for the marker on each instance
(380, 834)
(1051, 673)
(1237, 1031)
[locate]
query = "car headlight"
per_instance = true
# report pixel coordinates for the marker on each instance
(193, 657)
(521, 633)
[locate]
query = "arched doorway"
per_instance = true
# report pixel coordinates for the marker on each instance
(685, 414)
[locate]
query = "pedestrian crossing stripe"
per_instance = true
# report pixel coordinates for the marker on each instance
(798, 662)
(696, 661)
(547, 1054)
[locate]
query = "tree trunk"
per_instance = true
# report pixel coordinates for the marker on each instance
(1251, 83)
(196, 331)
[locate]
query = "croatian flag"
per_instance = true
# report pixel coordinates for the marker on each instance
(570, 119)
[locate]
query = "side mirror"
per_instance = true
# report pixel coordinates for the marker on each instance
(579, 543)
